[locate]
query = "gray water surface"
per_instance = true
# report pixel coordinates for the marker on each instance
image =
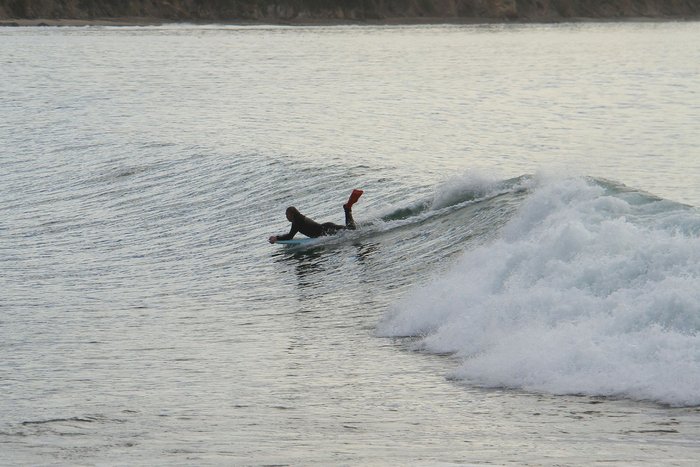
(144, 319)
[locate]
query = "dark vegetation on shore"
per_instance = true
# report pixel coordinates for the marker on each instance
(346, 10)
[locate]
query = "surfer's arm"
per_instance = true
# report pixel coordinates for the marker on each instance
(288, 236)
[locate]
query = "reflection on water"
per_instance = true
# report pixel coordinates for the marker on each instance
(318, 267)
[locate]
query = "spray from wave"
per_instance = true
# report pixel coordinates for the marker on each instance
(589, 289)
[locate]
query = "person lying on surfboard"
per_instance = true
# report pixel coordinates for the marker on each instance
(313, 229)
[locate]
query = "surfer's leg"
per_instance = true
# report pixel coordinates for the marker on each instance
(349, 221)
(347, 207)
(329, 228)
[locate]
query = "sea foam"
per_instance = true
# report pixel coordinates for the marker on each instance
(589, 289)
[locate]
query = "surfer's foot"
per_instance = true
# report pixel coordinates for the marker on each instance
(354, 196)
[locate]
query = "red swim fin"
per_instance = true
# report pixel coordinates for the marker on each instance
(354, 196)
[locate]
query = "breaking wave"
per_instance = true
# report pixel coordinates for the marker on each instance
(590, 288)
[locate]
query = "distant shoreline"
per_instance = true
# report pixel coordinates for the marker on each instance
(148, 21)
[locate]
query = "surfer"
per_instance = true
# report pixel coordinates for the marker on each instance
(313, 229)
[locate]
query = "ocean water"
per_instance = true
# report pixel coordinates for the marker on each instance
(524, 287)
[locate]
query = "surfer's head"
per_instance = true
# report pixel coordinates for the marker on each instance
(292, 213)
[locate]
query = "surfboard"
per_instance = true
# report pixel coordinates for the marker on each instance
(295, 241)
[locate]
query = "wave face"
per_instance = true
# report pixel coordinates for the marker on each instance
(590, 288)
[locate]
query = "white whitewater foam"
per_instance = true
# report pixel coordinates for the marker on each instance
(455, 188)
(583, 293)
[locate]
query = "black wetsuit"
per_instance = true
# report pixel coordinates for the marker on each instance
(313, 229)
